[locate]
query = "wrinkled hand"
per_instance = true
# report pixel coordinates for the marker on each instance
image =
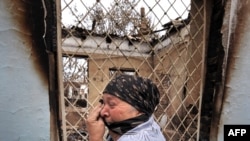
(95, 124)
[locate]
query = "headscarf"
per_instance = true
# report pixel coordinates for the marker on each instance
(139, 92)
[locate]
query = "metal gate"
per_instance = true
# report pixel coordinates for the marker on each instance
(161, 39)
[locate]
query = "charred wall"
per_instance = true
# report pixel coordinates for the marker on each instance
(40, 21)
(27, 64)
(45, 37)
(29, 17)
(213, 77)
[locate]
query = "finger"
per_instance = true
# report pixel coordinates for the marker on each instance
(97, 109)
(94, 114)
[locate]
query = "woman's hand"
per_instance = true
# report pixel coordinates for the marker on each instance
(95, 124)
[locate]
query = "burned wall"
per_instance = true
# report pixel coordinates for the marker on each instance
(25, 112)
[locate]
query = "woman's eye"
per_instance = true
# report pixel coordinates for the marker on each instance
(111, 104)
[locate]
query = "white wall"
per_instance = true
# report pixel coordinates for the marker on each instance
(236, 106)
(24, 105)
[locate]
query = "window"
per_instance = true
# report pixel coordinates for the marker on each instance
(167, 47)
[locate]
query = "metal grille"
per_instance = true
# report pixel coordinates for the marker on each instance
(162, 40)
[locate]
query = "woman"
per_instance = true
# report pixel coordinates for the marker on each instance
(128, 104)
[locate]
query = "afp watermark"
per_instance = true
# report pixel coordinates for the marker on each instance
(239, 132)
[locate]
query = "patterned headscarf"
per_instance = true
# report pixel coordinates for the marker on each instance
(139, 92)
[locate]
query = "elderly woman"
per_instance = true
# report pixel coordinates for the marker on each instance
(128, 104)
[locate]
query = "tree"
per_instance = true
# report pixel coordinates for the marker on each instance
(121, 18)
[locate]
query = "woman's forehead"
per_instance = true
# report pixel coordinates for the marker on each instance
(107, 97)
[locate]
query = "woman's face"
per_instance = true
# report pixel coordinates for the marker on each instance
(116, 110)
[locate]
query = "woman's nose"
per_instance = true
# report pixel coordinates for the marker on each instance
(104, 112)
